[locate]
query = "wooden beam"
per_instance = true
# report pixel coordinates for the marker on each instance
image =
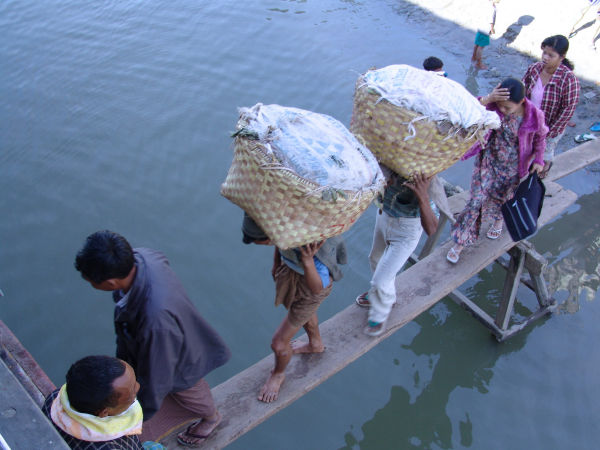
(574, 159)
(419, 288)
(509, 292)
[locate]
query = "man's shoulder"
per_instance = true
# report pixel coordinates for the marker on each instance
(48, 402)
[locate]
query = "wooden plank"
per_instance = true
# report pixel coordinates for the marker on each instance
(564, 164)
(574, 159)
(476, 311)
(23, 366)
(419, 288)
(22, 423)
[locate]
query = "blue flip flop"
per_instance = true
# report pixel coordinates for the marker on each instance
(595, 127)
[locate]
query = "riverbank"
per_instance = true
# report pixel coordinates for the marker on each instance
(520, 29)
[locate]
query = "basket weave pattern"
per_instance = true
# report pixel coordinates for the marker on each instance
(382, 126)
(289, 209)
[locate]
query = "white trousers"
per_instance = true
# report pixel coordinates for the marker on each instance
(394, 240)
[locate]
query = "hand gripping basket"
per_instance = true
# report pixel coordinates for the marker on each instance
(295, 197)
(415, 121)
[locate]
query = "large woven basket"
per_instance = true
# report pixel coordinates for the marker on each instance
(404, 141)
(291, 210)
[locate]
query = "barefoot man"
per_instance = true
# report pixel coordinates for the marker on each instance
(303, 279)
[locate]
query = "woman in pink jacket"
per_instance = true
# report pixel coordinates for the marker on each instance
(511, 152)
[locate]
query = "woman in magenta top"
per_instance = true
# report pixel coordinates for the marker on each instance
(511, 152)
(551, 86)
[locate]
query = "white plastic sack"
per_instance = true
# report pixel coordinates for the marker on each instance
(315, 146)
(436, 98)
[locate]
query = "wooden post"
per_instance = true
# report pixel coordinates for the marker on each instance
(511, 284)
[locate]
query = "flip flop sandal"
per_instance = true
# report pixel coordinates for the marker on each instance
(581, 138)
(595, 127)
(453, 256)
(201, 438)
(363, 300)
(494, 233)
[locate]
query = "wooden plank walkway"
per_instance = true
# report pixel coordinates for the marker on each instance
(419, 288)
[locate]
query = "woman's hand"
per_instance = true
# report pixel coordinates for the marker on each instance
(497, 95)
(535, 167)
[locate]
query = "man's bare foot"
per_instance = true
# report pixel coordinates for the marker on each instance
(198, 431)
(270, 390)
(313, 347)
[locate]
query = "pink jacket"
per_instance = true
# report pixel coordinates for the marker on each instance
(532, 137)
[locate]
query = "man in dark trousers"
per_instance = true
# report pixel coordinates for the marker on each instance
(159, 333)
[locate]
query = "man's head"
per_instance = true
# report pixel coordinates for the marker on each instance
(101, 386)
(433, 64)
(252, 233)
(105, 258)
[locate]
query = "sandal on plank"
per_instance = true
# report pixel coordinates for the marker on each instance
(581, 138)
(494, 233)
(201, 438)
(363, 300)
(453, 256)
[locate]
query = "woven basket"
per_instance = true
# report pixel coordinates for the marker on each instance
(291, 210)
(386, 130)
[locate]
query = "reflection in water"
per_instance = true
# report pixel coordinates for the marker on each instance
(577, 273)
(423, 420)
(575, 269)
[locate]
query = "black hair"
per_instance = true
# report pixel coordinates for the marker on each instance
(432, 63)
(90, 383)
(105, 255)
(251, 231)
(515, 88)
(560, 44)
(247, 239)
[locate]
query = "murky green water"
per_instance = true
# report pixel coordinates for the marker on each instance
(117, 115)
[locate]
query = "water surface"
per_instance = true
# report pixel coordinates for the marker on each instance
(117, 115)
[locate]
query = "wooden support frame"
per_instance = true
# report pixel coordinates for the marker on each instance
(522, 256)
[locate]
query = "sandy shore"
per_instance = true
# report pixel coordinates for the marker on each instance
(521, 25)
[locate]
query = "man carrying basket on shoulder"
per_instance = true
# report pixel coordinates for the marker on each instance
(303, 280)
(407, 208)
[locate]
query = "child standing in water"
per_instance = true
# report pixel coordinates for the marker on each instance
(506, 158)
(482, 38)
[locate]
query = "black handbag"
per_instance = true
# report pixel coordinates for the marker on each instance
(522, 211)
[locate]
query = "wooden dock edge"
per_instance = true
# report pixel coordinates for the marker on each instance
(23, 366)
(419, 287)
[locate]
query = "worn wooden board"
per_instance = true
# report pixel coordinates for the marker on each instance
(22, 423)
(574, 159)
(419, 287)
